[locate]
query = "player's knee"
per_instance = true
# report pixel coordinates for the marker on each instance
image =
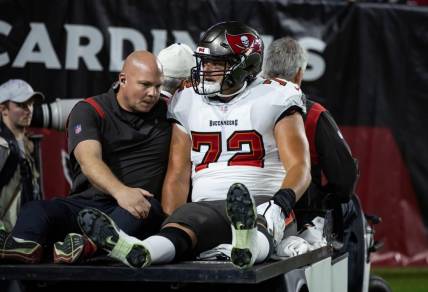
(190, 233)
(34, 207)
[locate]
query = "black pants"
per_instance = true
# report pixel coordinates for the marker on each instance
(48, 221)
(353, 239)
(208, 220)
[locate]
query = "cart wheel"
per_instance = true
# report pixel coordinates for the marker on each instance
(377, 284)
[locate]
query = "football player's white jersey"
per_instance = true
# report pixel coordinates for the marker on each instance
(234, 142)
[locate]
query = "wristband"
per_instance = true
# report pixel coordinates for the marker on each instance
(286, 199)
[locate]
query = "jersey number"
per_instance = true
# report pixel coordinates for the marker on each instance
(235, 142)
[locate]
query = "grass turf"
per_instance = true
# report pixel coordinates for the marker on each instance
(404, 279)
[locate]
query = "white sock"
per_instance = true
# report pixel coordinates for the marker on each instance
(160, 248)
(262, 246)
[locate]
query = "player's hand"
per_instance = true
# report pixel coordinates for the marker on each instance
(134, 200)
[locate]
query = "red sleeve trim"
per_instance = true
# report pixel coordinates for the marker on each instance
(96, 106)
(311, 122)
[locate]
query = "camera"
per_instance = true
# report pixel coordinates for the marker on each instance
(53, 115)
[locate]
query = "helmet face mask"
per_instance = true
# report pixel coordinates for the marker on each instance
(235, 54)
(214, 79)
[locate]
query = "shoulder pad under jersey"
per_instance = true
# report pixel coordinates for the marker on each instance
(283, 93)
(180, 104)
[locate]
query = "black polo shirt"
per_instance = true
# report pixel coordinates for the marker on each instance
(135, 146)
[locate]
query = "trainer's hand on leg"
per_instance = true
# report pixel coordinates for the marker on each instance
(134, 200)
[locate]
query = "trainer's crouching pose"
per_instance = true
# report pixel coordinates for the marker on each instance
(119, 144)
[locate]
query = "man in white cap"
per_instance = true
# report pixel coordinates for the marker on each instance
(177, 61)
(18, 174)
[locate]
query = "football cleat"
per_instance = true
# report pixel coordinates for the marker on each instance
(73, 249)
(19, 250)
(102, 230)
(241, 210)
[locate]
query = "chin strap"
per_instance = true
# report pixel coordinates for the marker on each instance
(225, 97)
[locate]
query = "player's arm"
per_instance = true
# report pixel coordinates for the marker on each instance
(177, 180)
(336, 159)
(294, 153)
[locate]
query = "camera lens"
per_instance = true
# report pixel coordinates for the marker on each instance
(53, 115)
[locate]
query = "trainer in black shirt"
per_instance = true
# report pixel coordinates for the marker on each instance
(134, 145)
(119, 144)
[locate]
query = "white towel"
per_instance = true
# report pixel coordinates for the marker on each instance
(314, 234)
(221, 252)
(292, 246)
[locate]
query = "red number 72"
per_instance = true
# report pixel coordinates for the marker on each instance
(234, 143)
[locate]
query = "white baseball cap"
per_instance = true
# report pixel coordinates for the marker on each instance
(18, 90)
(177, 60)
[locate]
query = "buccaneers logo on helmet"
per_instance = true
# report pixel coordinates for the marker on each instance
(240, 43)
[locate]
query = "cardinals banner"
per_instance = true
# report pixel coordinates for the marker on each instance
(367, 65)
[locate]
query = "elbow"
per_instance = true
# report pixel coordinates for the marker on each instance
(347, 181)
(87, 170)
(91, 171)
(345, 189)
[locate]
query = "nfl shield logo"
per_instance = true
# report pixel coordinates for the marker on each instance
(77, 129)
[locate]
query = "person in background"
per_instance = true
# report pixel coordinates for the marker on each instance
(333, 169)
(18, 172)
(177, 61)
(118, 143)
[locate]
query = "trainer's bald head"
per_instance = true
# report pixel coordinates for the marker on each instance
(141, 60)
(140, 81)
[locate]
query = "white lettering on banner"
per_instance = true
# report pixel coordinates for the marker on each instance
(38, 38)
(5, 29)
(183, 36)
(37, 47)
(267, 40)
(159, 40)
(316, 63)
(118, 35)
(88, 52)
